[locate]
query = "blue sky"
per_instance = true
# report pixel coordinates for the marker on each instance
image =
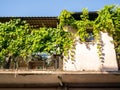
(49, 7)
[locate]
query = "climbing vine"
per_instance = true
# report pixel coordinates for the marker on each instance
(108, 20)
(12, 37)
(17, 38)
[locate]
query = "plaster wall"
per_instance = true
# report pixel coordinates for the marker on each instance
(87, 59)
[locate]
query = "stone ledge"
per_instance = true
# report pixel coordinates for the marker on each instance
(34, 78)
(8, 71)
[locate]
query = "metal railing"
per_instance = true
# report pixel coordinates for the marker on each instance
(52, 63)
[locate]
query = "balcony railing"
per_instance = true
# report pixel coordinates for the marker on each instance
(54, 62)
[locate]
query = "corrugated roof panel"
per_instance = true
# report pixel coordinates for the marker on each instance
(35, 21)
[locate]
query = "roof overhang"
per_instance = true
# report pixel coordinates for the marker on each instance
(37, 22)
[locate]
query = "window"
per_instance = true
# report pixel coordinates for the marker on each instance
(90, 38)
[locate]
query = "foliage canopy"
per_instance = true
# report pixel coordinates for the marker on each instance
(108, 20)
(17, 38)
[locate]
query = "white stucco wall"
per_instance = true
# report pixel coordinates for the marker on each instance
(110, 62)
(88, 59)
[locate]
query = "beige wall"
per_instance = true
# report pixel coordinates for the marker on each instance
(88, 59)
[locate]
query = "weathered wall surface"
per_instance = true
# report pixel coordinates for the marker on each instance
(87, 59)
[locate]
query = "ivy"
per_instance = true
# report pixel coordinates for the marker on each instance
(108, 20)
(65, 18)
(17, 38)
(83, 25)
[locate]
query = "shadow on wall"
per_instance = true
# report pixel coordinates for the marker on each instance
(109, 69)
(118, 60)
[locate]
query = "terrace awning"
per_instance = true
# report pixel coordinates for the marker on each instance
(35, 22)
